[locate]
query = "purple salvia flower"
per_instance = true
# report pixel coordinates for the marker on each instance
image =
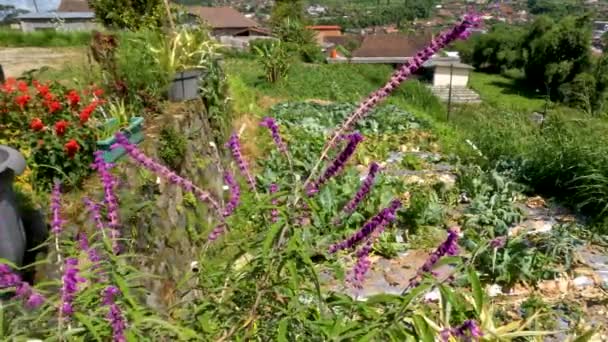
(92, 253)
(110, 199)
(411, 66)
(70, 281)
(363, 263)
(235, 194)
(95, 210)
(271, 124)
(274, 214)
(235, 147)
(115, 315)
(468, 331)
(337, 164)
(56, 208)
(216, 232)
(164, 172)
(365, 188)
(499, 242)
(375, 224)
(448, 247)
(23, 290)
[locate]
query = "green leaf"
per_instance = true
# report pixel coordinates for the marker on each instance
(273, 233)
(423, 329)
(586, 336)
(477, 290)
(89, 325)
(282, 334)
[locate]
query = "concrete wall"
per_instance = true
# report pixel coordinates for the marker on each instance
(239, 43)
(441, 77)
(68, 25)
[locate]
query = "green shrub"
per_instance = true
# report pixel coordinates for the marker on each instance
(172, 148)
(47, 38)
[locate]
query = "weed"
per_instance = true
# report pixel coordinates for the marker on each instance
(172, 148)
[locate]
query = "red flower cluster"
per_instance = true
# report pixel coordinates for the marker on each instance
(60, 127)
(86, 112)
(22, 100)
(73, 98)
(36, 125)
(71, 148)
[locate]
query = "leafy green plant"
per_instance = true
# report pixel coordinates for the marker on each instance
(275, 61)
(172, 148)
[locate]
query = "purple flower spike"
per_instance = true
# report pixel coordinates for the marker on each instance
(411, 66)
(235, 194)
(23, 290)
(274, 214)
(70, 281)
(235, 147)
(271, 124)
(468, 331)
(162, 171)
(376, 224)
(216, 232)
(95, 210)
(448, 247)
(364, 189)
(56, 208)
(338, 164)
(363, 264)
(498, 243)
(115, 316)
(110, 199)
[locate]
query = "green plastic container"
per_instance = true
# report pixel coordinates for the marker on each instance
(133, 132)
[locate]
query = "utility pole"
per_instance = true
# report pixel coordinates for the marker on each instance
(450, 91)
(36, 6)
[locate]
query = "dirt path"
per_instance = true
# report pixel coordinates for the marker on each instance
(15, 61)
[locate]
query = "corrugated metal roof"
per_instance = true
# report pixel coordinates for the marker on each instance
(60, 15)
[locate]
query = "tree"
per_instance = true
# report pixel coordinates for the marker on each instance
(554, 53)
(129, 14)
(287, 9)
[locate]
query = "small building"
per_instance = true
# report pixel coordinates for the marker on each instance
(71, 15)
(447, 71)
(226, 21)
(324, 31)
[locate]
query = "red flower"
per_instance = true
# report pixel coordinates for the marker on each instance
(53, 106)
(71, 147)
(87, 111)
(9, 86)
(42, 89)
(98, 92)
(36, 125)
(73, 98)
(22, 86)
(22, 100)
(60, 127)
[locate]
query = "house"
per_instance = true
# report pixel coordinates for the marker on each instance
(323, 31)
(387, 48)
(71, 15)
(226, 21)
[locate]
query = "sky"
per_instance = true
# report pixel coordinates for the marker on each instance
(43, 5)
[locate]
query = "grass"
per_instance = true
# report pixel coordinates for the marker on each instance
(15, 38)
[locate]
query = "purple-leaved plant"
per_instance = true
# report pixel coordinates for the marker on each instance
(115, 316)
(234, 144)
(375, 224)
(70, 280)
(274, 213)
(235, 194)
(447, 247)
(162, 171)
(337, 164)
(23, 290)
(271, 124)
(460, 31)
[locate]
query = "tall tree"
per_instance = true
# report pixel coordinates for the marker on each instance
(129, 14)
